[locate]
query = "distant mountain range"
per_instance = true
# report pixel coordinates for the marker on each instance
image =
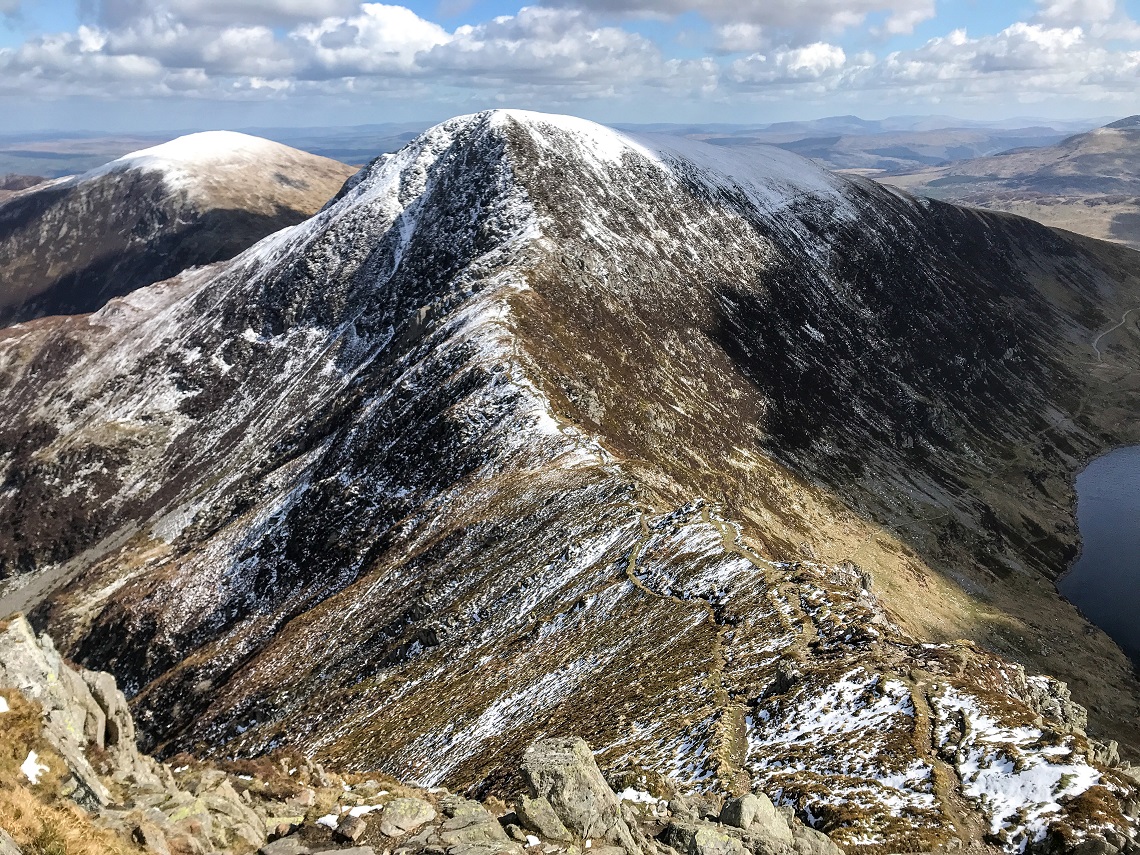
(1087, 183)
(59, 153)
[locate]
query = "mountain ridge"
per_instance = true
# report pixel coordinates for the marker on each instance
(407, 425)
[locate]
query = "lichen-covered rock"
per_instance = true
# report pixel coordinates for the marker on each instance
(539, 816)
(701, 838)
(564, 772)
(756, 814)
(808, 841)
(473, 828)
(402, 816)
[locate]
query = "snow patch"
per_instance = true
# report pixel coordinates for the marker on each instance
(32, 768)
(1018, 785)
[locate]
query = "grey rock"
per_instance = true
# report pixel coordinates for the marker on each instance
(402, 816)
(707, 806)
(306, 798)
(285, 846)
(538, 815)
(473, 829)
(699, 838)
(453, 805)
(808, 841)
(510, 848)
(354, 850)
(8, 845)
(351, 828)
(204, 781)
(426, 837)
(150, 837)
(515, 833)
(679, 806)
(756, 814)
(1094, 846)
(80, 707)
(565, 773)
(1053, 702)
(189, 845)
(740, 812)
(1104, 754)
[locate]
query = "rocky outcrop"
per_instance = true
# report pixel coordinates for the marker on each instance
(564, 772)
(189, 810)
(81, 708)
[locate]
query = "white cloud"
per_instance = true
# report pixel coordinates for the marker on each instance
(812, 62)
(379, 39)
(800, 16)
(1102, 19)
(545, 45)
(547, 56)
(1026, 62)
(741, 38)
(1076, 12)
(117, 13)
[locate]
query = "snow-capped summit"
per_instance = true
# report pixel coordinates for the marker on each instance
(69, 245)
(208, 161)
(207, 147)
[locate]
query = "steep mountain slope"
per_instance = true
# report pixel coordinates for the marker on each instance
(69, 245)
(1088, 183)
(539, 427)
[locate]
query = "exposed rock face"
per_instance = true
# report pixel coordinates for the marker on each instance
(564, 772)
(76, 715)
(70, 245)
(756, 811)
(421, 479)
(539, 816)
(404, 815)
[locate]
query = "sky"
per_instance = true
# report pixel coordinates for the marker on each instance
(138, 65)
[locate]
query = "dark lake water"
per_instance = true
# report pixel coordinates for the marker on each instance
(1104, 583)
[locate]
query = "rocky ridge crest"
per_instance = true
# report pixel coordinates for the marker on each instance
(299, 808)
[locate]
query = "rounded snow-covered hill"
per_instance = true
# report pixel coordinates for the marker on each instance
(68, 246)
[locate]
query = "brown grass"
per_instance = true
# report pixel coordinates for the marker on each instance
(40, 821)
(40, 828)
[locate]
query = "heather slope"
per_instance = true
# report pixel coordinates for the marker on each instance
(543, 428)
(69, 245)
